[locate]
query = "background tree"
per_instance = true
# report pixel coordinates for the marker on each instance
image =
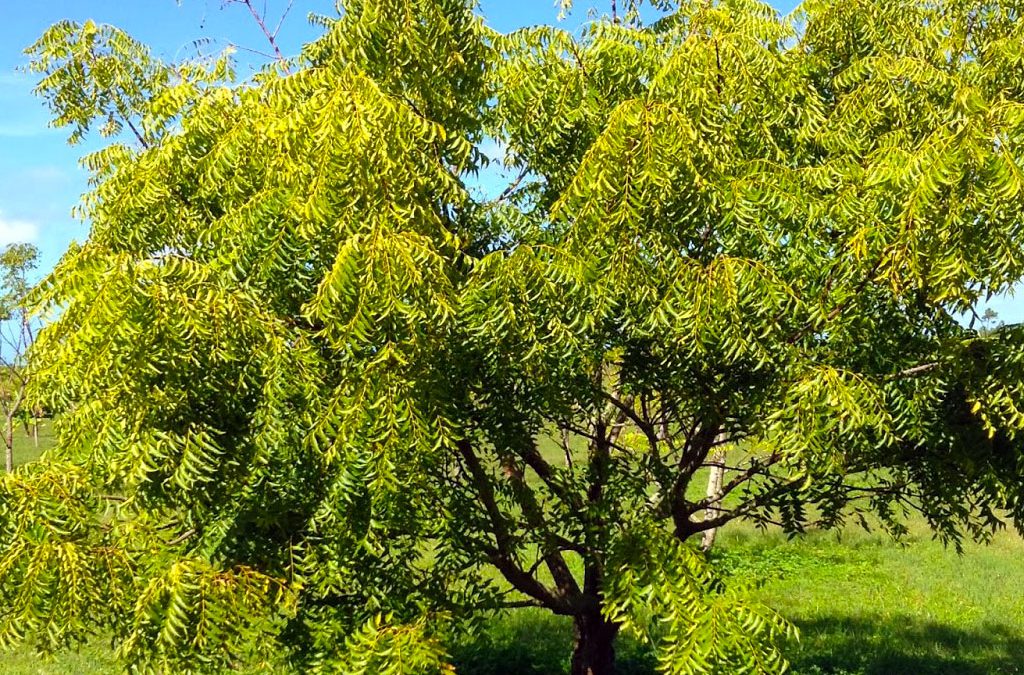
(320, 393)
(17, 333)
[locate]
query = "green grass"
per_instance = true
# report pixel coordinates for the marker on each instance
(90, 660)
(25, 449)
(868, 606)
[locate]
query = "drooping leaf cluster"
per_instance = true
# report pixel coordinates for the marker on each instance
(665, 592)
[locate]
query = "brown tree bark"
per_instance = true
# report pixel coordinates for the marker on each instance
(594, 650)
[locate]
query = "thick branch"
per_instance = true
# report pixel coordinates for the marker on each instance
(568, 588)
(696, 451)
(502, 557)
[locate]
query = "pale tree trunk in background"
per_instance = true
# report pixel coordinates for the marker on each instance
(31, 422)
(566, 446)
(9, 442)
(11, 408)
(714, 495)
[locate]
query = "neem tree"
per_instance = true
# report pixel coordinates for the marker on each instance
(17, 333)
(324, 401)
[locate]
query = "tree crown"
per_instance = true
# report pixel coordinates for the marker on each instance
(314, 380)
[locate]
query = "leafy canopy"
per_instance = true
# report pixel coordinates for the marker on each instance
(323, 397)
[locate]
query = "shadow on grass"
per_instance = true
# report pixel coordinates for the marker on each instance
(894, 645)
(533, 643)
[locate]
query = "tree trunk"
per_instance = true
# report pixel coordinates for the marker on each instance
(714, 497)
(9, 442)
(594, 653)
(35, 433)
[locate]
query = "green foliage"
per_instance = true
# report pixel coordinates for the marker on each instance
(193, 617)
(664, 591)
(58, 563)
(100, 74)
(316, 367)
(380, 647)
(17, 333)
(16, 264)
(911, 606)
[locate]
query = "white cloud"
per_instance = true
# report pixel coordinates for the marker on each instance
(14, 231)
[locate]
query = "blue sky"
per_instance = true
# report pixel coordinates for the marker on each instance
(40, 179)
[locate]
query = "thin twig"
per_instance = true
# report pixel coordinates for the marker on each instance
(271, 37)
(277, 28)
(258, 52)
(915, 371)
(180, 539)
(507, 192)
(138, 134)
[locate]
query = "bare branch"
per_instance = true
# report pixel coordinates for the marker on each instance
(258, 52)
(267, 33)
(184, 536)
(566, 447)
(284, 15)
(138, 134)
(642, 424)
(915, 371)
(507, 192)
(546, 473)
